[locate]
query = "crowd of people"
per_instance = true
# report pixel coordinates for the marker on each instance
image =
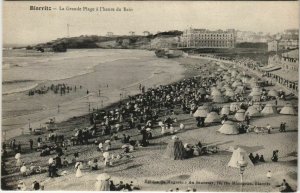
(141, 112)
(55, 88)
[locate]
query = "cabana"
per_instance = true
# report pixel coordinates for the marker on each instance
(240, 115)
(269, 109)
(229, 128)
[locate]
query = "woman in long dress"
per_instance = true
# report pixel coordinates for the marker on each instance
(78, 166)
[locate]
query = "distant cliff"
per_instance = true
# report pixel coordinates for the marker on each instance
(160, 40)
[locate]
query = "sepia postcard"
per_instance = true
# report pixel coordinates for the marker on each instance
(169, 96)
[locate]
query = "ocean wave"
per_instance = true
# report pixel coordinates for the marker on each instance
(17, 90)
(15, 81)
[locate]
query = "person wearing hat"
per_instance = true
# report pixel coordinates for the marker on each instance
(36, 185)
(21, 186)
(103, 183)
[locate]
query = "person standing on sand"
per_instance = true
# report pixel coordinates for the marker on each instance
(269, 128)
(269, 175)
(275, 156)
(78, 167)
(31, 144)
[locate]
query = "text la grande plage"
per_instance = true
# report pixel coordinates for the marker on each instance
(90, 9)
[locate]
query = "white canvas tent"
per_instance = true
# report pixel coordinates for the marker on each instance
(252, 111)
(225, 110)
(269, 109)
(237, 155)
(240, 115)
(229, 128)
(234, 106)
(288, 109)
(219, 99)
(212, 117)
(202, 111)
(273, 93)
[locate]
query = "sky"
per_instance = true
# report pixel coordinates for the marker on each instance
(22, 26)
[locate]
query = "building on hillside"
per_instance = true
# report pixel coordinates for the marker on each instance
(109, 34)
(203, 38)
(273, 45)
(290, 60)
(287, 44)
(285, 41)
(284, 69)
(252, 37)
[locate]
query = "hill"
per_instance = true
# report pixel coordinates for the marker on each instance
(114, 42)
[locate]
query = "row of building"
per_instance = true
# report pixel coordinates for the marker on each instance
(284, 69)
(203, 38)
(285, 41)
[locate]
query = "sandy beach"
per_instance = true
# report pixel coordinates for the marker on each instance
(102, 68)
(147, 165)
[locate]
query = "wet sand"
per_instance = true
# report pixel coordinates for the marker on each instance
(122, 76)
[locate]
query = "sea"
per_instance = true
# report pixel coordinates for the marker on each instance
(101, 77)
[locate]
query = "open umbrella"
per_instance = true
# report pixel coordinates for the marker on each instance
(18, 156)
(105, 154)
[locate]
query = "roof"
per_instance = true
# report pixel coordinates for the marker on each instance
(291, 54)
(292, 76)
(270, 68)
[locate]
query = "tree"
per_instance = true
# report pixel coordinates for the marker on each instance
(132, 33)
(146, 33)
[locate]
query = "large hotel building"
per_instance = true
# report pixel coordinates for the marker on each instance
(203, 38)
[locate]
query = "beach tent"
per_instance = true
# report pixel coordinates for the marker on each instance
(229, 128)
(257, 105)
(234, 106)
(226, 77)
(234, 73)
(202, 111)
(253, 83)
(202, 91)
(225, 110)
(226, 86)
(237, 83)
(256, 96)
(269, 109)
(220, 85)
(237, 155)
(252, 111)
(229, 93)
(222, 89)
(256, 89)
(215, 92)
(212, 117)
(254, 93)
(240, 115)
(273, 93)
(219, 99)
(288, 109)
(245, 79)
(239, 89)
(239, 76)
